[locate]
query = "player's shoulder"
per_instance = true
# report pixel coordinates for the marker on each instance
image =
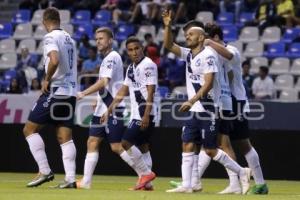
(147, 62)
(113, 56)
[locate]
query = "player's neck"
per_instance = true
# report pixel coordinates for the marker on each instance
(197, 50)
(52, 27)
(106, 52)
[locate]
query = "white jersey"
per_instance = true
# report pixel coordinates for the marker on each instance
(112, 68)
(225, 102)
(236, 86)
(138, 76)
(203, 63)
(65, 76)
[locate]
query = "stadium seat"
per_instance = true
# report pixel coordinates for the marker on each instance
(254, 49)
(9, 74)
(68, 28)
(290, 34)
(23, 31)
(160, 35)
(102, 18)
(37, 17)
(249, 34)
(280, 66)
(295, 68)
(289, 95)
(230, 33)
(179, 91)
(7, 46)
(83, 29)
(271, 35)
(22, 16)
(6, 30)
(81, 17)
(27, 43)
(225, 18)
(284, 81)
(145, 29)
(123, 31)
(297, 85)
(275, 50)
(4, 85)
(238, 44)
(257, 62)
(205, 17)
(180, 38)
(8, 61)
(245, 17)
(65, 16)
(293, 51)
(163, 91)
(39, 32)
(39, 49)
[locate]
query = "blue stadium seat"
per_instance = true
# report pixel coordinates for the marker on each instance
(225, 18)
(82, 17)
(124, 31)
(102, 18)
(245, 17)
(22, 16)
(230, 33)
(293, 51)
(6, 30)
(9, 74)
(163, 91)
(83, 29)
(290, 34)
(275, 50)
(4, 85)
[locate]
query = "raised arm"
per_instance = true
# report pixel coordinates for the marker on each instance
(219, 48)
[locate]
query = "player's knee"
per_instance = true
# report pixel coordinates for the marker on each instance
(27, 131)
(211, 152)
(126, 145)
(116, 148)
(93, 144)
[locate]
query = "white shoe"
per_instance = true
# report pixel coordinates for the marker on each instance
(245, 180)
(80, 185)
(197, 188)
(180, 189)
(231, 190)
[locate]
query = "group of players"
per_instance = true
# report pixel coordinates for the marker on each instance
(215, 93)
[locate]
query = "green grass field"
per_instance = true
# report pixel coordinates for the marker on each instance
(12, 187)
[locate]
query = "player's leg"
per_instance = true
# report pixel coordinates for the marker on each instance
(145, 149)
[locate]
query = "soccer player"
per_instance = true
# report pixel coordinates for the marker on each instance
(203, 92)
(110, 80)
(240, 132)
(140, 82)
(57, 103)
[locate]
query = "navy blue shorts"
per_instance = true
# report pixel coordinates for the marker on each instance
(226, 125)
(56, 110)
(113, 131)
(240, 124)
(135, 135)
(202, 126)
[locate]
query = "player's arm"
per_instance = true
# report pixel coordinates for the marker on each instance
(52, 66)
(168, 36)
(149, 104)
(101, 83)
(230, 76)
(219, 48)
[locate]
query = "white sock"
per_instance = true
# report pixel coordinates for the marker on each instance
(137, 158)
(254, 164)
(69, 156)
(148, 160)
(37, 148)
(203, 163)
(233, 179)
(227, 162)
(90, 163)
(195, 173)
(186, 169)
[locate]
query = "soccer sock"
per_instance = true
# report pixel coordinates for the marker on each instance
(203, 163)
(254, 164)
(137, 158)
(186, 168)
(227, 162)
(37, 148)
(195, 173)
(148, 160)
(90, 163)
(69, 156)
(233, 179)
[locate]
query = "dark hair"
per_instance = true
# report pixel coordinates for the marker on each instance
(94, 49)
(39, 87)
(213, 29)
(106, 30)
(51, 14)
(264, 69)
(147, 36)
(246, 62)
(132, 39)
(193, 23)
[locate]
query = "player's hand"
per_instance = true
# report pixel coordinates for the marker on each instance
(186, 106)
(167, 19)
(104, 118)
(145, 122)
(45, 86)
(80, 95)
(206, 42)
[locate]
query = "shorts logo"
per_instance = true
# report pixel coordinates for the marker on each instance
(45, 104)
(114, 122)
(212, 127)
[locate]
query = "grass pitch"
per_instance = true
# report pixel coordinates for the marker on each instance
(12, 187)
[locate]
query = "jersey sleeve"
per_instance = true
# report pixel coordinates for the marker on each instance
(184, 52)
(50, 44)
(108, 66)
(235, 56)
(151, 75)
(210, 64)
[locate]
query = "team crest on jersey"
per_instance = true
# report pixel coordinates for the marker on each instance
(198, 63)
(210, 60)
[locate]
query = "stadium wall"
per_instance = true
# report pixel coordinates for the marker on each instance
(279, 152)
